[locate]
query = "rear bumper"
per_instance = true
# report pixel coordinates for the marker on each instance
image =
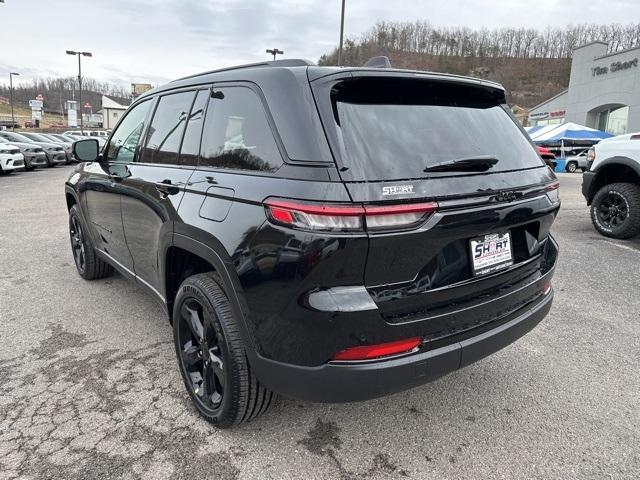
(587, 182)
(340, 382)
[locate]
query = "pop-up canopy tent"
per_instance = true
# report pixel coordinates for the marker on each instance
(567, 132)
(566, 137)
(534, 129)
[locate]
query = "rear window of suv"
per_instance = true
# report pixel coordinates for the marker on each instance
(390, 129)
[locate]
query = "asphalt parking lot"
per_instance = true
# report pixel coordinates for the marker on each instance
(89, 386)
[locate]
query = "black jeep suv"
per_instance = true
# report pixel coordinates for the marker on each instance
(330, 234)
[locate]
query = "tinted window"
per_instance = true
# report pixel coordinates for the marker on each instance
(166, 128)
(123, 142)
(191, 141)
(237, 133)
(16, 137)
(394, 129)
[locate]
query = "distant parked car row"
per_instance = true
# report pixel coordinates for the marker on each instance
(89, 133)
(29, 150)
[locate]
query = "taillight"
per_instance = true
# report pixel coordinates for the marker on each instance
(370, 352)
(553, 192)
(347, 218)
(334, 218)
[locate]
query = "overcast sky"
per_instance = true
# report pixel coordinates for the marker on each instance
(158, 40)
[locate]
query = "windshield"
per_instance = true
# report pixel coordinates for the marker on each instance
(36, 137)
(19, 138)
(392, 129)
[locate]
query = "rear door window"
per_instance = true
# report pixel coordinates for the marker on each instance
(191, 141)
(391, 129)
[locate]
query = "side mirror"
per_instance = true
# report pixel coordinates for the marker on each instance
(86, 150)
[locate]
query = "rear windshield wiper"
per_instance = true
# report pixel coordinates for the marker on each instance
(481, 163)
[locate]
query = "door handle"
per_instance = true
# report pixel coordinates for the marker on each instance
(165, 187)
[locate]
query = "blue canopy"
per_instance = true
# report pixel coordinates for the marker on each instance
(567, 132)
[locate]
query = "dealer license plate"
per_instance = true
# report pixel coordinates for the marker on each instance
(491, 253)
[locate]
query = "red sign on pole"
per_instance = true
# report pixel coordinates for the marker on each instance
(87, 105)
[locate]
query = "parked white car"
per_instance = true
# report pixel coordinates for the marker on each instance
(10, 158)
(611, 186)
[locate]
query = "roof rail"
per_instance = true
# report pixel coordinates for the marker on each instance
(292, 62)
(378, 62)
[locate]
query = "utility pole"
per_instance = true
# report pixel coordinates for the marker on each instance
(13, 120)
(274, 52)
(79, 54)
(341, 35)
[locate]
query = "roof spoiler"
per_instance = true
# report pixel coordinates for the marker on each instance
(378, 62)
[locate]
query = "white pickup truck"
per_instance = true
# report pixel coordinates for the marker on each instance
(611, 186)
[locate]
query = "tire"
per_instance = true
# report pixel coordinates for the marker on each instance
(211, 355)
(571, 167)
(88, 264)
(615, 210)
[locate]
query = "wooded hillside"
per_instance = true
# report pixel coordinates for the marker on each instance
(532, 65)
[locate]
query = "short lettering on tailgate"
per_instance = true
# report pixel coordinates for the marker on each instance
(397, 190)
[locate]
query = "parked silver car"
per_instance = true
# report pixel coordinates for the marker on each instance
(577, 162)
(54, 152)
(44, 137)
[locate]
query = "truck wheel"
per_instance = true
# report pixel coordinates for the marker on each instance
(571, 167)
(615, 210)
(88, 264)
(211, 354)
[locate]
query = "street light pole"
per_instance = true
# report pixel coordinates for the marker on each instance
(13, 120)
(274, 52)
(341, 35)
(84, 54)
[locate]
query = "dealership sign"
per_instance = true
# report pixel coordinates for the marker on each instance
(544, 115)
(614, 67)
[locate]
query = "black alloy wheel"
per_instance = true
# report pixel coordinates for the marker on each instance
(615, 210)
(77, 243)
(212, 355)
(200, 354)
(88, 264)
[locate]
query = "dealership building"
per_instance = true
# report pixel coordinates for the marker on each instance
(603, 93)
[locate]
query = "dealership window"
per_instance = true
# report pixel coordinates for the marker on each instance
(613, 120)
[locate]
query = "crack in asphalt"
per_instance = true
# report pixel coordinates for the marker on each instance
(70, 410)
(67, 410)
